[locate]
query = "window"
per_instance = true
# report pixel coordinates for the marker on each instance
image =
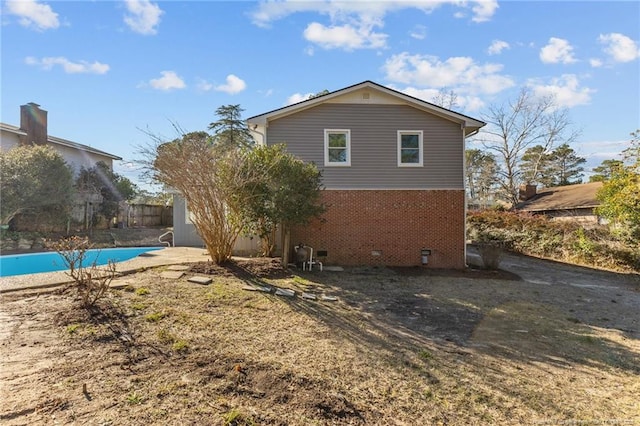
(188, 215)
(337, 147)
(410, 148)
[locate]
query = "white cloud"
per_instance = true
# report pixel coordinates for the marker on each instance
(345, 36)
(270, 11)
(353, 24)
(558, 50)
(266, 93)
(33, 14)
(298, 97)
(143, 17)
(81, 67)
(419, 32)
(497, 46)
(565, 89)
(204, 85)
(234, 85)
(461, 74)
(468, 103)
(619, 47)
(595, 62)
(484, 10)
(169, 81)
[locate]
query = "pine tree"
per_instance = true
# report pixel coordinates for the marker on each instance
(481, 174)
(605, 170)
(534, 166)
(230, 131)
(565, 166)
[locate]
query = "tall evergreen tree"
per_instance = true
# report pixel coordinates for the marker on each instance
(230, 132)
(605, 170)
(534, 166)
(565, 166)
(481, 175)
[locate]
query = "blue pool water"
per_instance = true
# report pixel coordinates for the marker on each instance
(20, 264)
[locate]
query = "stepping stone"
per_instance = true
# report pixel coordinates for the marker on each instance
(309, 296)
(285, 292)
(257, 288)
(179, 268)
(119, 285)
(329, 298)
(200, 280)
(333, 268)
(172, 275)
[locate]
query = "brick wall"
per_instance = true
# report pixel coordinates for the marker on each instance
(388, 227)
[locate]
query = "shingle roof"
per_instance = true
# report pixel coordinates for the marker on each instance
(60, 141)
(567, 197)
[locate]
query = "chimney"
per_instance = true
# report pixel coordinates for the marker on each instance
(526, 192)
(33, 121)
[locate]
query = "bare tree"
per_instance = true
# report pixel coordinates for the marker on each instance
(205, 176)
(446, 99)
(512, 128)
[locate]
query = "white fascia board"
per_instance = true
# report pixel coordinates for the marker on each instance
(467, 121)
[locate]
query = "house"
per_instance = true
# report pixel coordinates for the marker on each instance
(571, 202)
(393, 175)
(33, 131)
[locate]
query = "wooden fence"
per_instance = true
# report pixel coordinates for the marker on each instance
(145, 215)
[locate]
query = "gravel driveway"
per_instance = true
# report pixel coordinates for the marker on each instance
(592, 292)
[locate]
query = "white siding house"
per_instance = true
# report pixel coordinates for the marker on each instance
(33, 131)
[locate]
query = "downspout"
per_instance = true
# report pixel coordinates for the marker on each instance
(464, 188)
(263, 135)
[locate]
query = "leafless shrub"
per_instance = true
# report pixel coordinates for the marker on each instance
(491, 254)
(206, 176)
(90, 281)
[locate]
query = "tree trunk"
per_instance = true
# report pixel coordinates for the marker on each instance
(286, 241)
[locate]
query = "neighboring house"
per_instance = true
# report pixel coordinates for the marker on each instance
(571, 202)
(393, 171)
(33, 131)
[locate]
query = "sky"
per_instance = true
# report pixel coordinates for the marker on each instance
(111, 72)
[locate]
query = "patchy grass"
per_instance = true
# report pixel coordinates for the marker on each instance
(141, 291)
(395, 348)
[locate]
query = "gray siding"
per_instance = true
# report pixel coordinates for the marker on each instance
(374, 129)
(185, 234)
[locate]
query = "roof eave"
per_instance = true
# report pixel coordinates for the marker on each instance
(75, 145)
(468, 122)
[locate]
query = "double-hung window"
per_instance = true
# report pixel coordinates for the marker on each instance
(337, 147)
(410, 151)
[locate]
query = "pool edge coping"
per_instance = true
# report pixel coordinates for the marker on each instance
(163, 257)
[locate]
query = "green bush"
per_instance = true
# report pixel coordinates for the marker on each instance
(566, 241)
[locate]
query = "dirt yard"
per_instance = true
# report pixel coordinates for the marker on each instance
(537, 343)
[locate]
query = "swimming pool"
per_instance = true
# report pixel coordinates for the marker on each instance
(33, 263)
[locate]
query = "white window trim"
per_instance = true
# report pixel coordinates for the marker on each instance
(328, 163)
(420, 148)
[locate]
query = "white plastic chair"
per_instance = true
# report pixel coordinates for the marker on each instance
(311, 261)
